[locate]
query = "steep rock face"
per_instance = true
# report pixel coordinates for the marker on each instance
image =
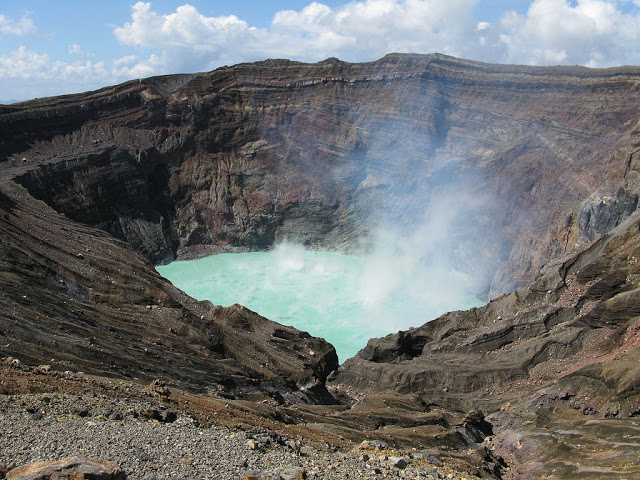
(326, 153)
(323, 153)
(589, 299)
(561, 354)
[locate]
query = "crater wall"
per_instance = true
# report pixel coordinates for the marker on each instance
(243, 156)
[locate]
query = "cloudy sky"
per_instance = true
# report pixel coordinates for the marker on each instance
(50, 48)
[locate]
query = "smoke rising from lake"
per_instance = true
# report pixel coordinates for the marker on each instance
(417, 233)
(343, 298)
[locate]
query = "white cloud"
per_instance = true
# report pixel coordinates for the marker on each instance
(358, 31)
(27, 74)
(587, 32)
(131, 67)
(22, 63)
(187, 40)
(369, 29)
(22, 27)
(184, 28)
(27, 64)
(75, 50)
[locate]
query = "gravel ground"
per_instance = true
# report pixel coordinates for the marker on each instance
(150, 441)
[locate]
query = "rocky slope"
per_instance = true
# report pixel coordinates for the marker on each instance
(557, 364)
(157, 432)
(513, 167)
(77, 298)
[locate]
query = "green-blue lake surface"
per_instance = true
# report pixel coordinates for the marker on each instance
(345, 299)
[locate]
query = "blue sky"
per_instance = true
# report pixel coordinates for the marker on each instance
(50, 48)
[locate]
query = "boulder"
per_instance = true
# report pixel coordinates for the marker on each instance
(72, 468)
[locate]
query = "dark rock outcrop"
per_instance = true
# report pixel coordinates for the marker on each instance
(600, 214)
(561, 354)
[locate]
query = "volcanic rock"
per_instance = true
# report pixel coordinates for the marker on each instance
(564, 351)
(515, 167)
(398, 462)
(76, 468)
(243, 156)
(91, 313)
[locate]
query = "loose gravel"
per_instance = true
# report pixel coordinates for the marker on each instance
(150, 442)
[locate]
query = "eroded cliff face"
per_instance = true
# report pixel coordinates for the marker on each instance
(75, 298)
(240, 157)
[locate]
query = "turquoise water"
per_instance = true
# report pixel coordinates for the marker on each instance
(345, 299)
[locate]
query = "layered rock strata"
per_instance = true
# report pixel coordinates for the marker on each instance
(514, 166)
(562, 354)
(326, 153)
(75, 297)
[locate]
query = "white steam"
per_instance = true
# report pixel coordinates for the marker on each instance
(414, 272)
(402, 281)
(410, 272)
